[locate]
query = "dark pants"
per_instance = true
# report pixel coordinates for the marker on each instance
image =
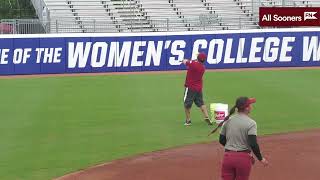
(236, 166)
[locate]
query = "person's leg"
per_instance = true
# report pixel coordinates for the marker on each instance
(187, 112)
(228, 171)
(199, 102)
(243, 167)
(204, 111)
(188, 100)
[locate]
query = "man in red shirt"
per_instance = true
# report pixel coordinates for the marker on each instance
(193, 87)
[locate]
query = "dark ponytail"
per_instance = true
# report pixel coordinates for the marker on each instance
(241, 104)
(232, 110)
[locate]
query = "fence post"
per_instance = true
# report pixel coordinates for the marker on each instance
(141, 25)
(56, 25)
(48, 22)
(94, 25)
(252, 7)
(17, 26)
(204, 21)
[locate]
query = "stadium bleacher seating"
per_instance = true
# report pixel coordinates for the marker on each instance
(155, 15)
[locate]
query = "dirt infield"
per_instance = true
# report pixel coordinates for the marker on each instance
(292, 156)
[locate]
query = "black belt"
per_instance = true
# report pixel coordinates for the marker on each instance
(246, 151)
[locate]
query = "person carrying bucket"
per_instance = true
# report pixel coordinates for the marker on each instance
(239, 137)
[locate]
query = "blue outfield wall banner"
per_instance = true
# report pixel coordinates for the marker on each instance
(124, 52)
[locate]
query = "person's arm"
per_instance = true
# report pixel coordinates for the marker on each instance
(256, 150)
(223, 135)
(222, 140)
(254, 146)
(185, 61)
(252, 141)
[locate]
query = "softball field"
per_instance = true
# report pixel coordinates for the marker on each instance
(131, 126)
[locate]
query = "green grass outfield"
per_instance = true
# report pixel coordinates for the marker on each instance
(55, 125)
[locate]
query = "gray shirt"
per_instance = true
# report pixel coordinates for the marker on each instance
(236, 130)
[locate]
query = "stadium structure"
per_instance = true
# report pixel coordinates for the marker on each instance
(87, 16)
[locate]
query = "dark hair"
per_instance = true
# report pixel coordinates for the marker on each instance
(241, 104)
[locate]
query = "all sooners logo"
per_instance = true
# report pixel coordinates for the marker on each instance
(220, 115)
(310, 15)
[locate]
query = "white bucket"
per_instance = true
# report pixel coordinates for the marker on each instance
(218, 111)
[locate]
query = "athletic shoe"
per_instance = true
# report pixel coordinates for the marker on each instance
(187, 123)
(207, 120)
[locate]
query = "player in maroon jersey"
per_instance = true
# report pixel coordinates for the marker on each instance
(193, 87)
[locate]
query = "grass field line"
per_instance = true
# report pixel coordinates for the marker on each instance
(155, 72)
(71, 123)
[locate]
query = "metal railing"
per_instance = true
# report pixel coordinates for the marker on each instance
(200, 23)
(21, 26)
(60, 24)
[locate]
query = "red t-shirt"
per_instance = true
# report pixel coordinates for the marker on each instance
(194, 75)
